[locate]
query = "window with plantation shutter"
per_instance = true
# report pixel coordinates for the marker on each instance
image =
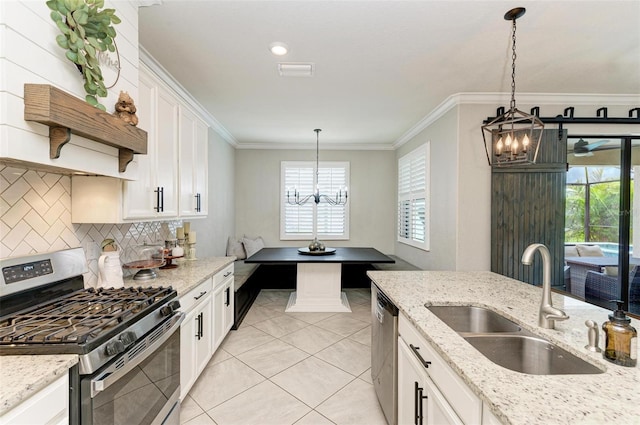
(413, 187)
(301, 222)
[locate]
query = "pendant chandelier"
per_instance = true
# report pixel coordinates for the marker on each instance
(513, 137)
(340, 198)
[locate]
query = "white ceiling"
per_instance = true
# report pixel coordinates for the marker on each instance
(381, 66)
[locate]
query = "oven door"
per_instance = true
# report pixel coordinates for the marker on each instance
(141, 386)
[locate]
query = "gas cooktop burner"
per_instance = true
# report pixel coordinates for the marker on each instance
(82, 317)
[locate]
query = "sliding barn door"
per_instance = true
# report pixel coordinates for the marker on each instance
(528, 206)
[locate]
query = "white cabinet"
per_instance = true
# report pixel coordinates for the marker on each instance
(196, 334)
(429, 391)
(155, 193)
(223, 302)
(193, 154)
(50, 405)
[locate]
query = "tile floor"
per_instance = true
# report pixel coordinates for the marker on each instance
(290, 368)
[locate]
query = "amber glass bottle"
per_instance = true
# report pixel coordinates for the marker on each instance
(620, 339)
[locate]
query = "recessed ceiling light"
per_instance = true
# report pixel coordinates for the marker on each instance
(278, 49)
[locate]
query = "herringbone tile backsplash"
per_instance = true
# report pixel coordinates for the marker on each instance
(35, 217)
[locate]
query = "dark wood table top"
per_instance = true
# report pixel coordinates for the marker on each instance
(342, 255)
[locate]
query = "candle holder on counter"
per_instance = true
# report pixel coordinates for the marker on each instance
(190, 245)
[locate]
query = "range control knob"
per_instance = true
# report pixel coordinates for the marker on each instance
(114, 347)
(168, 309)
(127, 337)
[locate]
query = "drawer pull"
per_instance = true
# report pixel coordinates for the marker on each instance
(227, 274)
(202, 294)
(417, 353)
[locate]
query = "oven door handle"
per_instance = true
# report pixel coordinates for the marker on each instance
(111, 374)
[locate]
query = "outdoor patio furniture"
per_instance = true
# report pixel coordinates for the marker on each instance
(600, 289)
(580, 266)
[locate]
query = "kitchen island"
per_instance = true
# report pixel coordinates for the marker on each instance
(513, 397)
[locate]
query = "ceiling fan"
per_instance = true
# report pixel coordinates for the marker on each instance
(584, 148)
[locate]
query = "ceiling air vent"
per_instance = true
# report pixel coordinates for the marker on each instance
(297, 69)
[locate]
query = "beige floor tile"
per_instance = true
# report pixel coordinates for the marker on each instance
(312, 339)
(348, 355)
(202, 419)
(258, 313)
(280, 326)
(222, 381)
(363, 336)
(244, 339)
(189, 409)
(314, 418)
(357, 296)
(342, 324)
(366, 376)
(272, 357)
(219, 356)
(355, 404)
(312, 380)
(264, 404)
(313, 317)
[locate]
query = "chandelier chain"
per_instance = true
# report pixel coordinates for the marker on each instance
(513, 67)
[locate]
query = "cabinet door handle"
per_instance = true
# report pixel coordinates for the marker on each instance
(157, 192)
(202, 294)
(420, 405)
(198, 320)
(198, 202)
(416, 408)
(161, 199)
(228, 292)
(417, 353)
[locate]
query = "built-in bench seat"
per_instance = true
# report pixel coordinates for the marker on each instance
(245, 290)
(399, 264)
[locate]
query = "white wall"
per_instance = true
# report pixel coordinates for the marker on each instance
(372, 195)
(29, 54)
(214, 230)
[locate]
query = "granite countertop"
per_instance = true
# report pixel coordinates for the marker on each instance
(513, 397)
(23, 376)
(188, 274)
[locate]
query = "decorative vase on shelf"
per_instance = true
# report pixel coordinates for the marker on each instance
(316, 245)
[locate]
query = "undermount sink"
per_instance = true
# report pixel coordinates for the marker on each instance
(508, 345)
(466, 319)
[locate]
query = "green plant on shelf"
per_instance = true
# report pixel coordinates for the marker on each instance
(87, 29)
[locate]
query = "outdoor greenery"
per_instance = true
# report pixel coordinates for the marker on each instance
(603, 212)
(86, 31)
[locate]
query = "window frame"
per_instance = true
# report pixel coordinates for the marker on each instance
(414, 194)
(283, 201)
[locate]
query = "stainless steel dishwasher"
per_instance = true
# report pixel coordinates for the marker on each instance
(384, 352)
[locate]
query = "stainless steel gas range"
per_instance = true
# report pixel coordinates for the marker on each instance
(127, 339)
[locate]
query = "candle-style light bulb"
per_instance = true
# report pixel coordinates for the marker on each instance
(525, 143)
(514, 146)
(499, 147)
(507, 143)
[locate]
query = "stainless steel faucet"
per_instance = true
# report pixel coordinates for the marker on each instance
(547, 314)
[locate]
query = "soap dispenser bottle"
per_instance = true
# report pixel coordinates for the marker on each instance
(620, 339)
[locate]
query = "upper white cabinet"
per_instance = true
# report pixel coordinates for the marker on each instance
(193, 164)
(155, 194)
(172, 177)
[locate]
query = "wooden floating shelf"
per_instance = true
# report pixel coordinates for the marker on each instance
(66, 114)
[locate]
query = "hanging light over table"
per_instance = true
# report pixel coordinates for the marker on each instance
(513, 137)
(340, 198)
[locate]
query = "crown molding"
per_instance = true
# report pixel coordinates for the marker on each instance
(151, 63)
(499, 99)
(310, 146)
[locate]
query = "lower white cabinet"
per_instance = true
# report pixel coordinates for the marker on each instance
(223, 302)
(209, 317)
(50, 405)
(196, 334)
(429, 391)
